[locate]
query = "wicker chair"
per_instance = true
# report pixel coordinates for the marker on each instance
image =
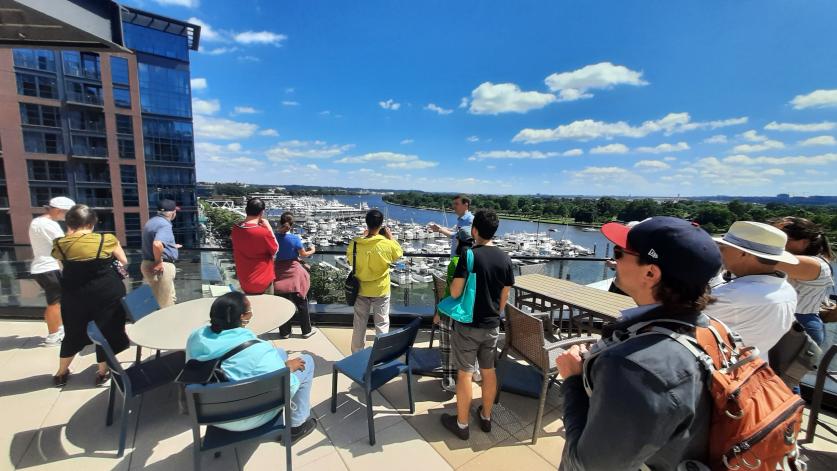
(540, 308)
(428, 361)
(525, 339)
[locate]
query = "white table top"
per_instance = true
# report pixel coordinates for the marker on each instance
(169, 328)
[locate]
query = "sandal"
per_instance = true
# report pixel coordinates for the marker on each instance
(59, 381)
(101, 379)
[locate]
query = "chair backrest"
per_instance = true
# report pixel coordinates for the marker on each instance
(223, 402)
(140, 303)
(99, 339)
(536, 269)
(439, 286)
(527, 336)
(392, 345)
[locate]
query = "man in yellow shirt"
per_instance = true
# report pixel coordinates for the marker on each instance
(376, 250)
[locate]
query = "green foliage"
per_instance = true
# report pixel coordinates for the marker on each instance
(327, 284)
(221, 221)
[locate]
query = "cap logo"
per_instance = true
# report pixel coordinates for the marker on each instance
(653, 254)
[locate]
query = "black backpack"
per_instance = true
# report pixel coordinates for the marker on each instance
(351, 286)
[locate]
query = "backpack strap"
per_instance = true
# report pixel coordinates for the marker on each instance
(237, 349)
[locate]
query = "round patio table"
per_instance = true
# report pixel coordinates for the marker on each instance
(169, 328)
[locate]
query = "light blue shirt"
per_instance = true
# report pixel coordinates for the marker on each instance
(462, 222)
(159, 228)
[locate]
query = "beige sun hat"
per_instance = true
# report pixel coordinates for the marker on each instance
(761, 240)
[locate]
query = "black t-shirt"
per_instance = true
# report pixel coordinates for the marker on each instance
(494, 271)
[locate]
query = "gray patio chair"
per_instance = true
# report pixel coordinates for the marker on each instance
(823, 376)
(525, 339)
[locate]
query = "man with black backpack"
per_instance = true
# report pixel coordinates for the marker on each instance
(646, 389)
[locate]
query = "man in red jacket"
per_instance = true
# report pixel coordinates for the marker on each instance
(254, 248)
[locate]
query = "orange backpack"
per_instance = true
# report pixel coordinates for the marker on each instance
(756, 418)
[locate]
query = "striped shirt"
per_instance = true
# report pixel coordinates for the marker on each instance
(811, 293)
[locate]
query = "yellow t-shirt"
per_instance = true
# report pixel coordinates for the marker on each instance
(82, 247)
(374, 255)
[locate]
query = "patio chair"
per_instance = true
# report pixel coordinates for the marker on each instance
(525, 338)
(135, 380)
(823, 375)
(138, 304)
(540, 308)
(375, 366)
(428, 361)
(216, 403)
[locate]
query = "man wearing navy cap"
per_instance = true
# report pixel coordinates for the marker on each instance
(647, 397)
(159, 252)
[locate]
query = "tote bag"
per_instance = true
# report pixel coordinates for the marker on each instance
(461, 309)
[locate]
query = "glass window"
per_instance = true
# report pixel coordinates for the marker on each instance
(47, 170)
(36, 85)
(165, 90)
(121, 97)
(81, 64)
(124, 124)
(40, 195)
(159, 43)
(170, 175)
(89, 146)
(86, 120)
(40, 59)
(132, 222)
(95, 197)
(126, 148)
(40, 115)
(106, 222)
(168, 140)
(2, 170)
(93, 172)
(130, 195)
(87, 93)
(43, 142)
(129, 173)
(5, 224)
(119, 70)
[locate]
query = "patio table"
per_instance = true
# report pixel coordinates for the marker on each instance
(169, 328)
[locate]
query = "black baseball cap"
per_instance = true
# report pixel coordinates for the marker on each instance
(680, 248)
(168, 205)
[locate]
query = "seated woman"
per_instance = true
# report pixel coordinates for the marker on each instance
(292, 279)
(228, 316)
(91, 290)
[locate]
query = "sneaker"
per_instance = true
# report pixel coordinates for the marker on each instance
(485, 425)
(59, 381)
(449, 421)
(298, 433)
(448, 385)
(102, 379)
(309, 334)
(54, 339)
(284, 336)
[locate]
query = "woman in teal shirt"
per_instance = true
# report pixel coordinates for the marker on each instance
(228, 316)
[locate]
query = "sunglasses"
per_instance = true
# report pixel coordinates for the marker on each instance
(618, 252)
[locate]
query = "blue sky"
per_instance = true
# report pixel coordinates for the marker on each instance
(591, 97)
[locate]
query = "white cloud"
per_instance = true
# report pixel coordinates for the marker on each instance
(437, 109)
(669, 159)
(512, 154)
(407, 141)
(610, 149)
(728, 172)
(180, 3)
(248, 59)
(312, 167)
(217, 51)
(604, 75)
(391, 159)
(259, 37)
(815, 99)
(760, 143)
(472, 139)
(290, 90)
(753, 136)
(269, 132)
(463, 103)
(210, 106)
(413, 165)
(652, 165)
(245, 110)
(219, 128)
(207, 33)
(664, 148)
(822, 159)
(389, 104)
(573, 153)
(305, 150)
(819, 141)
(588, 129)
(198, 84)
(324, 113)
(494, 99)
(290, 103)
(716, 139)
(797, 127)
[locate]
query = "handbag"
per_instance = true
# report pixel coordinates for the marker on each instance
(209, 371)
(351, 286)
(794, 355)
(461, 309)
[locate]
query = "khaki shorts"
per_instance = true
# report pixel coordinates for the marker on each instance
(469, 344)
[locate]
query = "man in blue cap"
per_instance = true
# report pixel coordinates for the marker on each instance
(159, 252)
(645, 398)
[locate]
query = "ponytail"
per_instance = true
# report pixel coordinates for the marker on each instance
(226, 311)
(286, 221)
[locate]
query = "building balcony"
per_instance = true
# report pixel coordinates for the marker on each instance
(89, 99)
(85, 151)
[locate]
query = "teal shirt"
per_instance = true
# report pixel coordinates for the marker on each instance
(255, 360)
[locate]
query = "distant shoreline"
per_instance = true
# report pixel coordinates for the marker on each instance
(510, 217)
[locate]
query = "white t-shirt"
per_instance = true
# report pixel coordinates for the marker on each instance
(760, 308)
(42, 231)
(813, 292)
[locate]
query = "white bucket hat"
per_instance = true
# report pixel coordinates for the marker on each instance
(761, 240)
(61, 202)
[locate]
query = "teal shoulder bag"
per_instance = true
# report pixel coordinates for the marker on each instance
(461, 309)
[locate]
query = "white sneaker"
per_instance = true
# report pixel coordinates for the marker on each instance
(54, 339)
(448, 385)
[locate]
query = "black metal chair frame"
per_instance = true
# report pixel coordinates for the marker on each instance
(823, 374)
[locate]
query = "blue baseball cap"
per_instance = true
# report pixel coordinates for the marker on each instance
(680, 248)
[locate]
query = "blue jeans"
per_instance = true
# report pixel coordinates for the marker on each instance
(813, 326)
(301, 400)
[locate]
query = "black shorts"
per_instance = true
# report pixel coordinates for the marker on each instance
(50, 282)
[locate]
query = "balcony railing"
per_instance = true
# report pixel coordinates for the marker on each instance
(84, 98)
(84, 150)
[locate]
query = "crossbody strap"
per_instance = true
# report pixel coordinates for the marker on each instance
(101, 244)
(237, 349)
(354, 257)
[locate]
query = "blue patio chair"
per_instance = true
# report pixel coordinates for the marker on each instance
(224, 402)
(374, 367)
(135, 380)
(428, 361)
(138, 304)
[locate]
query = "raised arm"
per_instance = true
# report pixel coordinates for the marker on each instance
(808, 268)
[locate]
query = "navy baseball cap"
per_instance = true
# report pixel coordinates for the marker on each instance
(167, 205)
(680, 248)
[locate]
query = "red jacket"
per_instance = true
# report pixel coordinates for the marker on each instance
(254, 247)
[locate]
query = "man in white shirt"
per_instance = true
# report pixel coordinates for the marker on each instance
(45, 269)
(758, 302)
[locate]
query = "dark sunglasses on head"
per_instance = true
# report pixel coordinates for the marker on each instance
(618, 252)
